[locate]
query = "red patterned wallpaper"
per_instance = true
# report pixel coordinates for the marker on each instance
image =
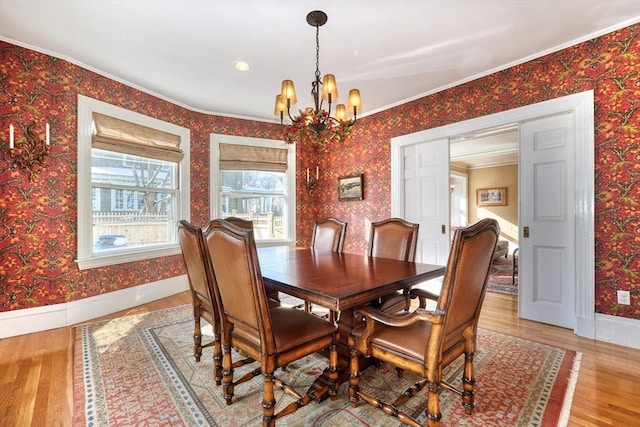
(38, 220)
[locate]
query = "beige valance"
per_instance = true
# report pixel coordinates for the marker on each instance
(249, 157)
(129, 138)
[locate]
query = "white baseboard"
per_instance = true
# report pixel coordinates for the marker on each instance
(611, 329)
(585, 327)
(28, 320)
(618, 330)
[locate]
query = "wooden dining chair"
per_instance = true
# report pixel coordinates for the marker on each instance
(193, 253)
(394, 238)
(425, 342)
(328, 235)
(274, 336)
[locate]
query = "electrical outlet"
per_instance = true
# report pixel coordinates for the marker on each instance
(624, 297)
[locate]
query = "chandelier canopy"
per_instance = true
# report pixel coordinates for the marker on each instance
(315, 124)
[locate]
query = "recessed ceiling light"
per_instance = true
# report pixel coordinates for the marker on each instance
(241, 66)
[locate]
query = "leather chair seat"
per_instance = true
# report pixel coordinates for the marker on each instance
(293, 328)
(408, 342)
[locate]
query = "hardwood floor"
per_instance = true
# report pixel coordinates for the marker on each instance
(36, 384)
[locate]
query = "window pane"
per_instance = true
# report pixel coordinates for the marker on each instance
(253, 181)
(123, 169)
(140, 218)
(132, 218)
(257, 196)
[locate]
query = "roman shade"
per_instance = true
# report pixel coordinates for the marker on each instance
(130, 138)
(250, 157)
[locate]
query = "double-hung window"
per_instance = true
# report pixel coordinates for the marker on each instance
(254, 179)
(133, 184)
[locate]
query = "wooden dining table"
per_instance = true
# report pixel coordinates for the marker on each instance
(340, 282)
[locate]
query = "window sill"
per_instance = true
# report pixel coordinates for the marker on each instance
(123, 257)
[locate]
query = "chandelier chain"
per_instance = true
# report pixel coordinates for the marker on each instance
(317, 53)
(315, 86)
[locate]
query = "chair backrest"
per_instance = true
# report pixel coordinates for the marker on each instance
(248, 225)
(240, 222)
(239, 291)
(465, 278)
(193, 253)
(328, 235)
(393, 238)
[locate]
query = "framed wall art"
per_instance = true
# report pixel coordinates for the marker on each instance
(492, 196)
(351, 187)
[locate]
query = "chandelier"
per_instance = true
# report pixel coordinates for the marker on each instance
(315, 124)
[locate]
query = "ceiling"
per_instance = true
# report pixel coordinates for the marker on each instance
(392, 50)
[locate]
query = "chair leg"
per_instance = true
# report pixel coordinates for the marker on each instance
(268, 401)
(197, 337)
(433, 405)
(468, 383)
(227, 375)
(514, 266)
(217, 355)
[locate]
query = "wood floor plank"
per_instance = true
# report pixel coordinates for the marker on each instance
(36, 370)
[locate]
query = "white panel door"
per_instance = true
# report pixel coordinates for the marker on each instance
(426, 197)
(546, 266)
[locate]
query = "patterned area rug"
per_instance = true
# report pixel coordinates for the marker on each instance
(140, 370)
(500, 279)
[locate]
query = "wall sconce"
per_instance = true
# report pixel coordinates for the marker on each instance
(30, 152)
(311, 181)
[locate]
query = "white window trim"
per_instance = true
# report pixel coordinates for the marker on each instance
(86, 257)
(214, 179)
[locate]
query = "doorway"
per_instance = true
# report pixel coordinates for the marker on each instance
(581, 106)
(458, 183)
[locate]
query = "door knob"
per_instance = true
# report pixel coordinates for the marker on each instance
(525, 232)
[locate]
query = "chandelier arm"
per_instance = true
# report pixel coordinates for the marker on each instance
(288, 110)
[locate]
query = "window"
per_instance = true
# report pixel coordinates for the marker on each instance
(133, 185)
(254, 179)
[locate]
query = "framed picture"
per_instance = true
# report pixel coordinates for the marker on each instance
(492, 196)
(350, 187)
